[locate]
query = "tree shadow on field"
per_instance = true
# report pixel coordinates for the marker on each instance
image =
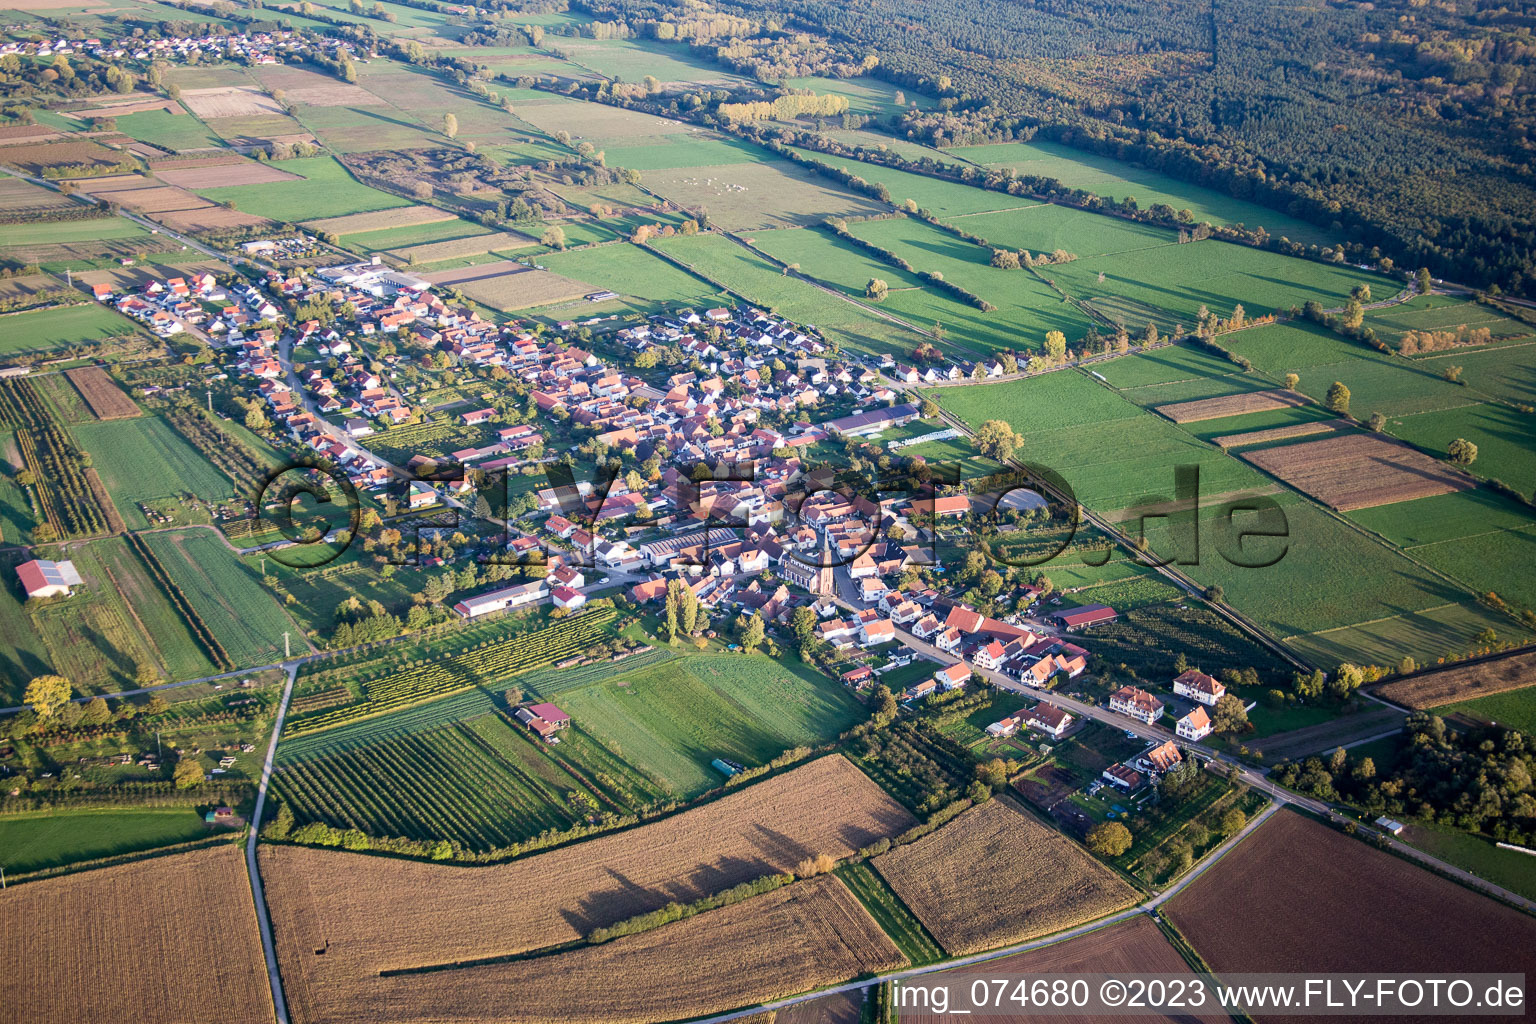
(626, 898)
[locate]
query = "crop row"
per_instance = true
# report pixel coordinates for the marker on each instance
(443, 784)
(200, 630)
(58, 471)
(227, 453)
(503, 657)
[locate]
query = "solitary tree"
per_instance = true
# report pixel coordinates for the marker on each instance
(996, 440)
(1377, 422)
(46, 693)
(1426, 282)
(1231, 715)
(1056, 345)
(1337, 400)
(752, 635)
(876, 290)
(188, 772)
(1462, 452)
(450, 126)
(554, 237)
(1110, 839)
(1291, 381)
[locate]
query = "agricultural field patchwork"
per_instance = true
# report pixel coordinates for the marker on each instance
(451, 914)
(1378, 906)
(995, 876)
(178, 908)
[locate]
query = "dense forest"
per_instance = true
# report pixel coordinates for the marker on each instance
(1409, 123)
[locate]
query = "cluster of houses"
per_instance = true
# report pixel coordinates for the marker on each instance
(168, 307)
(1151, 764)
(1193, 685)
(248, 47)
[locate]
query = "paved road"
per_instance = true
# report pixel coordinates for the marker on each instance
(279, 1004)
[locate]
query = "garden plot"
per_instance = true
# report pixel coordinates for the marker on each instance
(230, 101)
(1232, 405)
(1355, 471)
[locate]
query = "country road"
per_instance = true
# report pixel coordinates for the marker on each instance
(258, 893)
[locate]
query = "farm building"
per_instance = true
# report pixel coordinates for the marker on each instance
(1136, 703)
(1198, 686)
(567, 598)
(544, 719)
(477, 416)
(867, 424)
(1073, 619)
(1390, 825)
(502, 599)
(41, 578)
(1194, 726)
(1007, 727)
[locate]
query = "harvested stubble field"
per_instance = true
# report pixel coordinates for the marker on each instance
(382, 220)
(209, 218)
(1292, 430)
(508, 285)
(229, 101)
(208, 174)
(107, 108)
(1298, 896)
(459, 248)
(1462, 682)
(995, 875)
(101, 393)
(803, 936)
(327, 899)
(40, 157)
(105, 944)
(1233, 405)
(1135, 946)
(18, 196)
(1354, 471)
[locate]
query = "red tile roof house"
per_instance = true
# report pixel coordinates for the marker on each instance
(1127, 779)
(964, 619)
(952, 676)
(857, 677)
(1049, 719)
(1194, 726)
(1198, 686)
(565, 597)
(1136, 703)
(989, 657)
(1162, 757)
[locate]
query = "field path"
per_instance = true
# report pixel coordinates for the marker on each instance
(280, 1005)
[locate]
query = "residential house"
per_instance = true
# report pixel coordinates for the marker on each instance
(1136, 703)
